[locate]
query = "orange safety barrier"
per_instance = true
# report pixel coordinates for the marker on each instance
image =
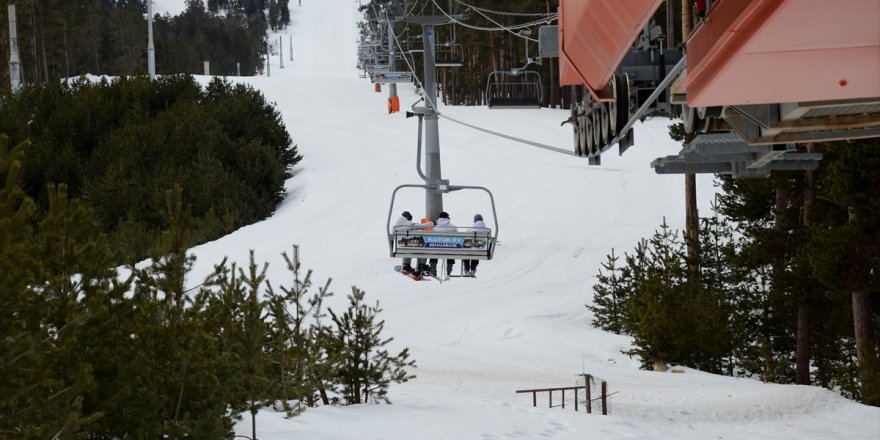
(393, 104)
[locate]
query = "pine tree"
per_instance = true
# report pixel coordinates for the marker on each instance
(301, 351)
(244, 331)
(365, 369)
(178, 365)
(846, 253)
(609, 298)
(672, 318)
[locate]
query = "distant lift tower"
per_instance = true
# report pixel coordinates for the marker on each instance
(151, 49)
(14, 65)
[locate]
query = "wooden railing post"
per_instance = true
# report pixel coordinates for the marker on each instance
(604, 398)
(576, 389)
(589, 397)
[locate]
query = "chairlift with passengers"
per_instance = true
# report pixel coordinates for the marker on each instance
(464, 243)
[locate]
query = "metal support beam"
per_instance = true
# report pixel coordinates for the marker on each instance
(433, 198)
(728, 153)
(392, 88)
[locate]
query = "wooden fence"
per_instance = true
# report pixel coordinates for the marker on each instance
(603, 396)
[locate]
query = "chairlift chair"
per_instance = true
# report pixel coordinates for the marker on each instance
(462, 244)
(514, 89)
(377, 68)
(449, 55)
(391, 77)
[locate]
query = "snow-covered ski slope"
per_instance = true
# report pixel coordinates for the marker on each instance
(522, 323)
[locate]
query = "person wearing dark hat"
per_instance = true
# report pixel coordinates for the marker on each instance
(470, 266)
(443, 225)
(405, 223)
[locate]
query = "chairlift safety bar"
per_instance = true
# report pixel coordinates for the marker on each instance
(474, 245)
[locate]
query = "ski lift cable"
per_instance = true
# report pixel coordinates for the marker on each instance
(433, 103)
(567, 152)
(421, 11)
(500, 27)
(409, 65)
(516, 14)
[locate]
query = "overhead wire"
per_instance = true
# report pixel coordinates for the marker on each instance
(431, 100)
(501, 27)
(513, 138)
(516, 14)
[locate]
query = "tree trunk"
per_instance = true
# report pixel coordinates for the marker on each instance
(323, 392)
(253, 423)
(861, 305)
(34, 46)
(692, 219)
(802, 376)
(803, 329)
(685, 20)
(66, 52)
(43, 51)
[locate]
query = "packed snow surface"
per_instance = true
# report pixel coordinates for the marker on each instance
(522, 323)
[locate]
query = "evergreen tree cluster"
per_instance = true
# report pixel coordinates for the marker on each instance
(61, 39)
(276, 12)
(787, 270)
(86, 352)
(116, 146)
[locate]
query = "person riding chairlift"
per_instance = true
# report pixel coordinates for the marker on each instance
(470, 266)
(443, 225)
(405, 223)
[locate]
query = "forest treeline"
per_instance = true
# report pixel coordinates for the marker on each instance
(119, 145)
(782, 284)
(87, 351)
(62, 39)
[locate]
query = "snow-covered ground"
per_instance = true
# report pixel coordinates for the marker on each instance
(522, 323)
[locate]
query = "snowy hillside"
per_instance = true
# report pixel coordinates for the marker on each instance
(522, 323)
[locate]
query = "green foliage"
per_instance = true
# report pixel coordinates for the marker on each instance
(118, 145)
(364, 368)
(609, 297)
(185, 41)
(671, 318)
(87, 354)
(64, 39)
(305, 366)
(734, 308)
